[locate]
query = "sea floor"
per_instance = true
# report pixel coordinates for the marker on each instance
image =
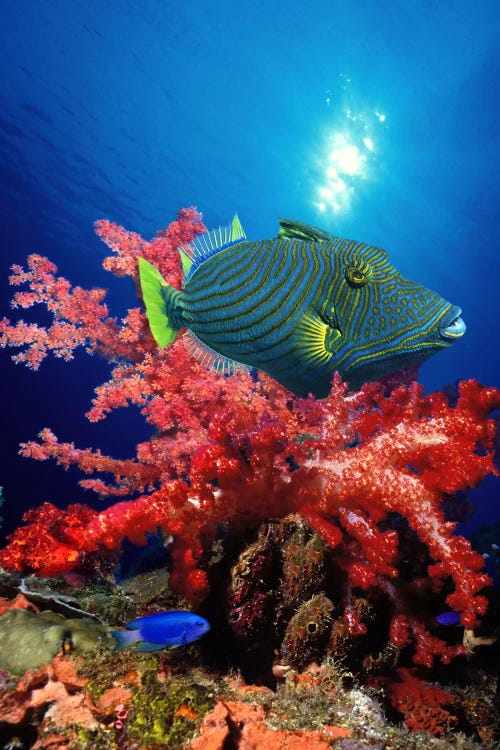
(63, 684)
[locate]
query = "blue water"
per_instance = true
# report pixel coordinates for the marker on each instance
(129, 110)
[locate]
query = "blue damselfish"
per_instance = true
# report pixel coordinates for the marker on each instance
(298, 306)
(448, 618)
(162, 630)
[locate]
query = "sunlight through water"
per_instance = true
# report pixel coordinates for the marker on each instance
(350, 148)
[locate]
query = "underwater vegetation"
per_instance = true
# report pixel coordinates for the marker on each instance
(318, 527)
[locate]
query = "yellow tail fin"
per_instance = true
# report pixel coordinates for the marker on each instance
(156, 293)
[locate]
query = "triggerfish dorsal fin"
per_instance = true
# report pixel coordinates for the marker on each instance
(186, 262)
(297, 230)
(208, 357)
(208, 244)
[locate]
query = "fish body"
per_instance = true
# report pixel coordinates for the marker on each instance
(162, 630)
(448, 618)
(298, 306)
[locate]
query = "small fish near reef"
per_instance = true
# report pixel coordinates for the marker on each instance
(448, 618)
(298, 306)
(162, 630)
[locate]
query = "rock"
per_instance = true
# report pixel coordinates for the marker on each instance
(32, 639)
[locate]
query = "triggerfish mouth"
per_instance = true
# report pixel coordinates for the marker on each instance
(298, 306)
(162, 630)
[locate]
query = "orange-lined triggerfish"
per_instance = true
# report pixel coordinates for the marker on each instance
(298, 306)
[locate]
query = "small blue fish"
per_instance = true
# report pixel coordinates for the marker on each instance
(448, 618)
(162, 630)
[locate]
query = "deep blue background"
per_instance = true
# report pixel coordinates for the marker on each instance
(128, 110)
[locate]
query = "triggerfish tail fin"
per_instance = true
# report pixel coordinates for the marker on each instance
(125, 638)
(161, 301)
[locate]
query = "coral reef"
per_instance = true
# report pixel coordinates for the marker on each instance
(423, 706)
(412, 449)
(308, 532)
(117, 700)
(252, 451)
(58, 695)
(252, 731)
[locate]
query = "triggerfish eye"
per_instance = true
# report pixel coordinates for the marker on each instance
(357, 275)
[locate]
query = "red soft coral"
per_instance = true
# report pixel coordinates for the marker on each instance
(240, 450)
(422, 705)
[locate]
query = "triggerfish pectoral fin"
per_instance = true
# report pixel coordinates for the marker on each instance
(209, 357)
(155, 293)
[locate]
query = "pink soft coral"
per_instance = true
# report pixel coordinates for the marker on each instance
(252, 450)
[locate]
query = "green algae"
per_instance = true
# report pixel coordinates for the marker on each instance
(166, 715)
(97, 739)
(154, 719)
